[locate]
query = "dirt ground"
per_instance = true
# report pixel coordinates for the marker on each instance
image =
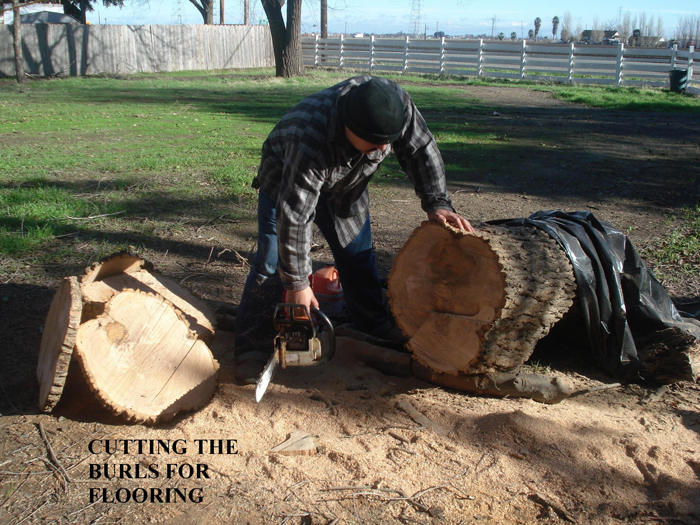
(626, 454)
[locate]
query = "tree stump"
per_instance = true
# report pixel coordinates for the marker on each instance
(478, 303)
(142, 360)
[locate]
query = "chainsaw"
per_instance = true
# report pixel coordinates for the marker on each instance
(303, 339)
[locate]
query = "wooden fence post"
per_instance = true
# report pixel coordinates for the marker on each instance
(571, 63)
(316, 50)
(691, 52)
(523, 59)
(405, 56)
(340, 53)
(674, 53)
(371, 53)
(480, 61)
(442, 56)
(620, 63)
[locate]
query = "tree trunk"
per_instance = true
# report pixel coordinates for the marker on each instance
(477, 304)
(17, 32)
(324, 18)
(474, 304)
(246, 12)
(286, 41)
(79, 12)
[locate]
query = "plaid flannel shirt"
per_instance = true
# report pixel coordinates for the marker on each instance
(307, 155)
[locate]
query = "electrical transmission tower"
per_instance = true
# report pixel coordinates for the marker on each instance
(415, 17)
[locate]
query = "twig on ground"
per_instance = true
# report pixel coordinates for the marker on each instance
(91, 217)
(290, 490)
(192, 275)
(51, 454)
(595, 389)
(557, 510)
(209, 258)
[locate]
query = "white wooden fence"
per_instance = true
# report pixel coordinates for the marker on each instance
(66, 49)
(576, 64)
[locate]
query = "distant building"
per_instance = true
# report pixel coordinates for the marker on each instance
(32, 9)
(647, 41)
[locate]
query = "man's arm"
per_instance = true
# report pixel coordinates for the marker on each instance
(421, 160)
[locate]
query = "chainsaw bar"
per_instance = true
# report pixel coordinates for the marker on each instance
(265, 377)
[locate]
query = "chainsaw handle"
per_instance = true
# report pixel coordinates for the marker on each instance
(329, 326)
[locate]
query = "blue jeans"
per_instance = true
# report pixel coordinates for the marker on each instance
(263, 289)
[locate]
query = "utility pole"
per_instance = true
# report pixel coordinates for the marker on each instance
(221, 12)
(246, 12)
(324, 18)
(415, 17)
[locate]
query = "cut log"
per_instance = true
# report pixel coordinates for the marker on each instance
(478, 303)
(57, 341)
(96, 293)
(141, 359)
(115, 264)
(122, 271)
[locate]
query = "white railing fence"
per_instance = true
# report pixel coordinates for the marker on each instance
(618, 65)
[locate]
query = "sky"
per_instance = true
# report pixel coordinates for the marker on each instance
(454, 17)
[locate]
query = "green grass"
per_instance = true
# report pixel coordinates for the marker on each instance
(682, 246)
(144, 150)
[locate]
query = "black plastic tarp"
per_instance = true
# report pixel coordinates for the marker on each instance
(619, 297)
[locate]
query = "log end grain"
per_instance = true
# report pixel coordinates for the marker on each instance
(143, 361)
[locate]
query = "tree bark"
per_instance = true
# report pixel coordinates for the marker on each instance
(57, 341)
(286, 40)
(17, 32)
(478, 303)
(324, 18)
(206, 9)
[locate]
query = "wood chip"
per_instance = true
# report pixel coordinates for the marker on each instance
(298, 443)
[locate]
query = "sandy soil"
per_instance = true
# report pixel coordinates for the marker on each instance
(624, 454)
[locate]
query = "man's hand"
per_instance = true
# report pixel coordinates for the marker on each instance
(305, 297)
(445, 216)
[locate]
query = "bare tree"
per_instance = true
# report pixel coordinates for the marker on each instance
(624, 26)
(567, 27)
(324, 18)
(688, 30)
(286, 39)
(206, 9)
(17, 32)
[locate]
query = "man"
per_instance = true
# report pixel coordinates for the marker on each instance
(316, 164)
